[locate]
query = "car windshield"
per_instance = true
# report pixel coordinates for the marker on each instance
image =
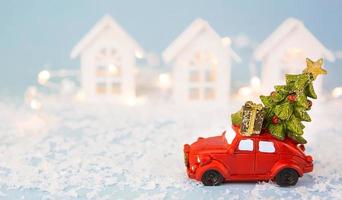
(230, 135)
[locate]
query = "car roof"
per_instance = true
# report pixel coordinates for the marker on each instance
(269, 137)
(257, 136)
(264, 135)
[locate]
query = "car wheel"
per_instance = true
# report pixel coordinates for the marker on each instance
(287, 177)
(212, 178)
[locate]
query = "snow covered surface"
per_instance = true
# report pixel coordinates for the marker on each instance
(87, 151)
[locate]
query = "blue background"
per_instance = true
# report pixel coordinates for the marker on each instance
(40, 34)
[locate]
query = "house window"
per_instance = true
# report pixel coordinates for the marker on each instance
(210, 76)
(246, 145)
(194, 93)
(194, 76)
(116, 88)
(101, 88)
(101, 71)
(266, 147)
(209, 93)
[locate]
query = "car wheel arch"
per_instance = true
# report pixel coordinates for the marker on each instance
(213, 165)
(279, 166)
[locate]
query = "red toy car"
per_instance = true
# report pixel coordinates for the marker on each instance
(247, 158)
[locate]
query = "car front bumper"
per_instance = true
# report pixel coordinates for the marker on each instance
(190, 173)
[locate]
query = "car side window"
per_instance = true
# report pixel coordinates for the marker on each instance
(246, 145)
(266, 147)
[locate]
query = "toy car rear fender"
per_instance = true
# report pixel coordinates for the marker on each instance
(280, 165)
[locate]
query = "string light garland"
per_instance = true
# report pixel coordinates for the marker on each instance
(48, 80)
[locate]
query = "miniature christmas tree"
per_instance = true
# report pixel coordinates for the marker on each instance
(287, 106)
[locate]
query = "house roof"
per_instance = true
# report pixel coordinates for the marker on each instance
(105, 22)
(195, 28)
(289, 26)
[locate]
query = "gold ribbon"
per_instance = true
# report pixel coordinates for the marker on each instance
(255, 108)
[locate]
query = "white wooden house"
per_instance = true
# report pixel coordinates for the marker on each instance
(108, 62)
(201, 65)
(285, 51)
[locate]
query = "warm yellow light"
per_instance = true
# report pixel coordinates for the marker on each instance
(226, 41)
(296, 50)
(43, 77)
(131, 101)
(139, 54)
(35, 104)
(164, 80)
(214, 61)
(255, 82)
(135, 101)
(113, 69)
(337, 92)
(245, 91)
(80, 95)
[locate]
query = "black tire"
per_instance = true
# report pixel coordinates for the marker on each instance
(287, 177)
(212, 178)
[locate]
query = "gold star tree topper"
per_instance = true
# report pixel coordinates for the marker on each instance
(314, 68)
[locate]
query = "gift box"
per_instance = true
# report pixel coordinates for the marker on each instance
(252, 118)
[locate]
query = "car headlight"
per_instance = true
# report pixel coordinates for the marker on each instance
(193, 168)
(203, 160)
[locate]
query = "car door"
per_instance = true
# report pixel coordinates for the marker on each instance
(243, 158)
(266, 156)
